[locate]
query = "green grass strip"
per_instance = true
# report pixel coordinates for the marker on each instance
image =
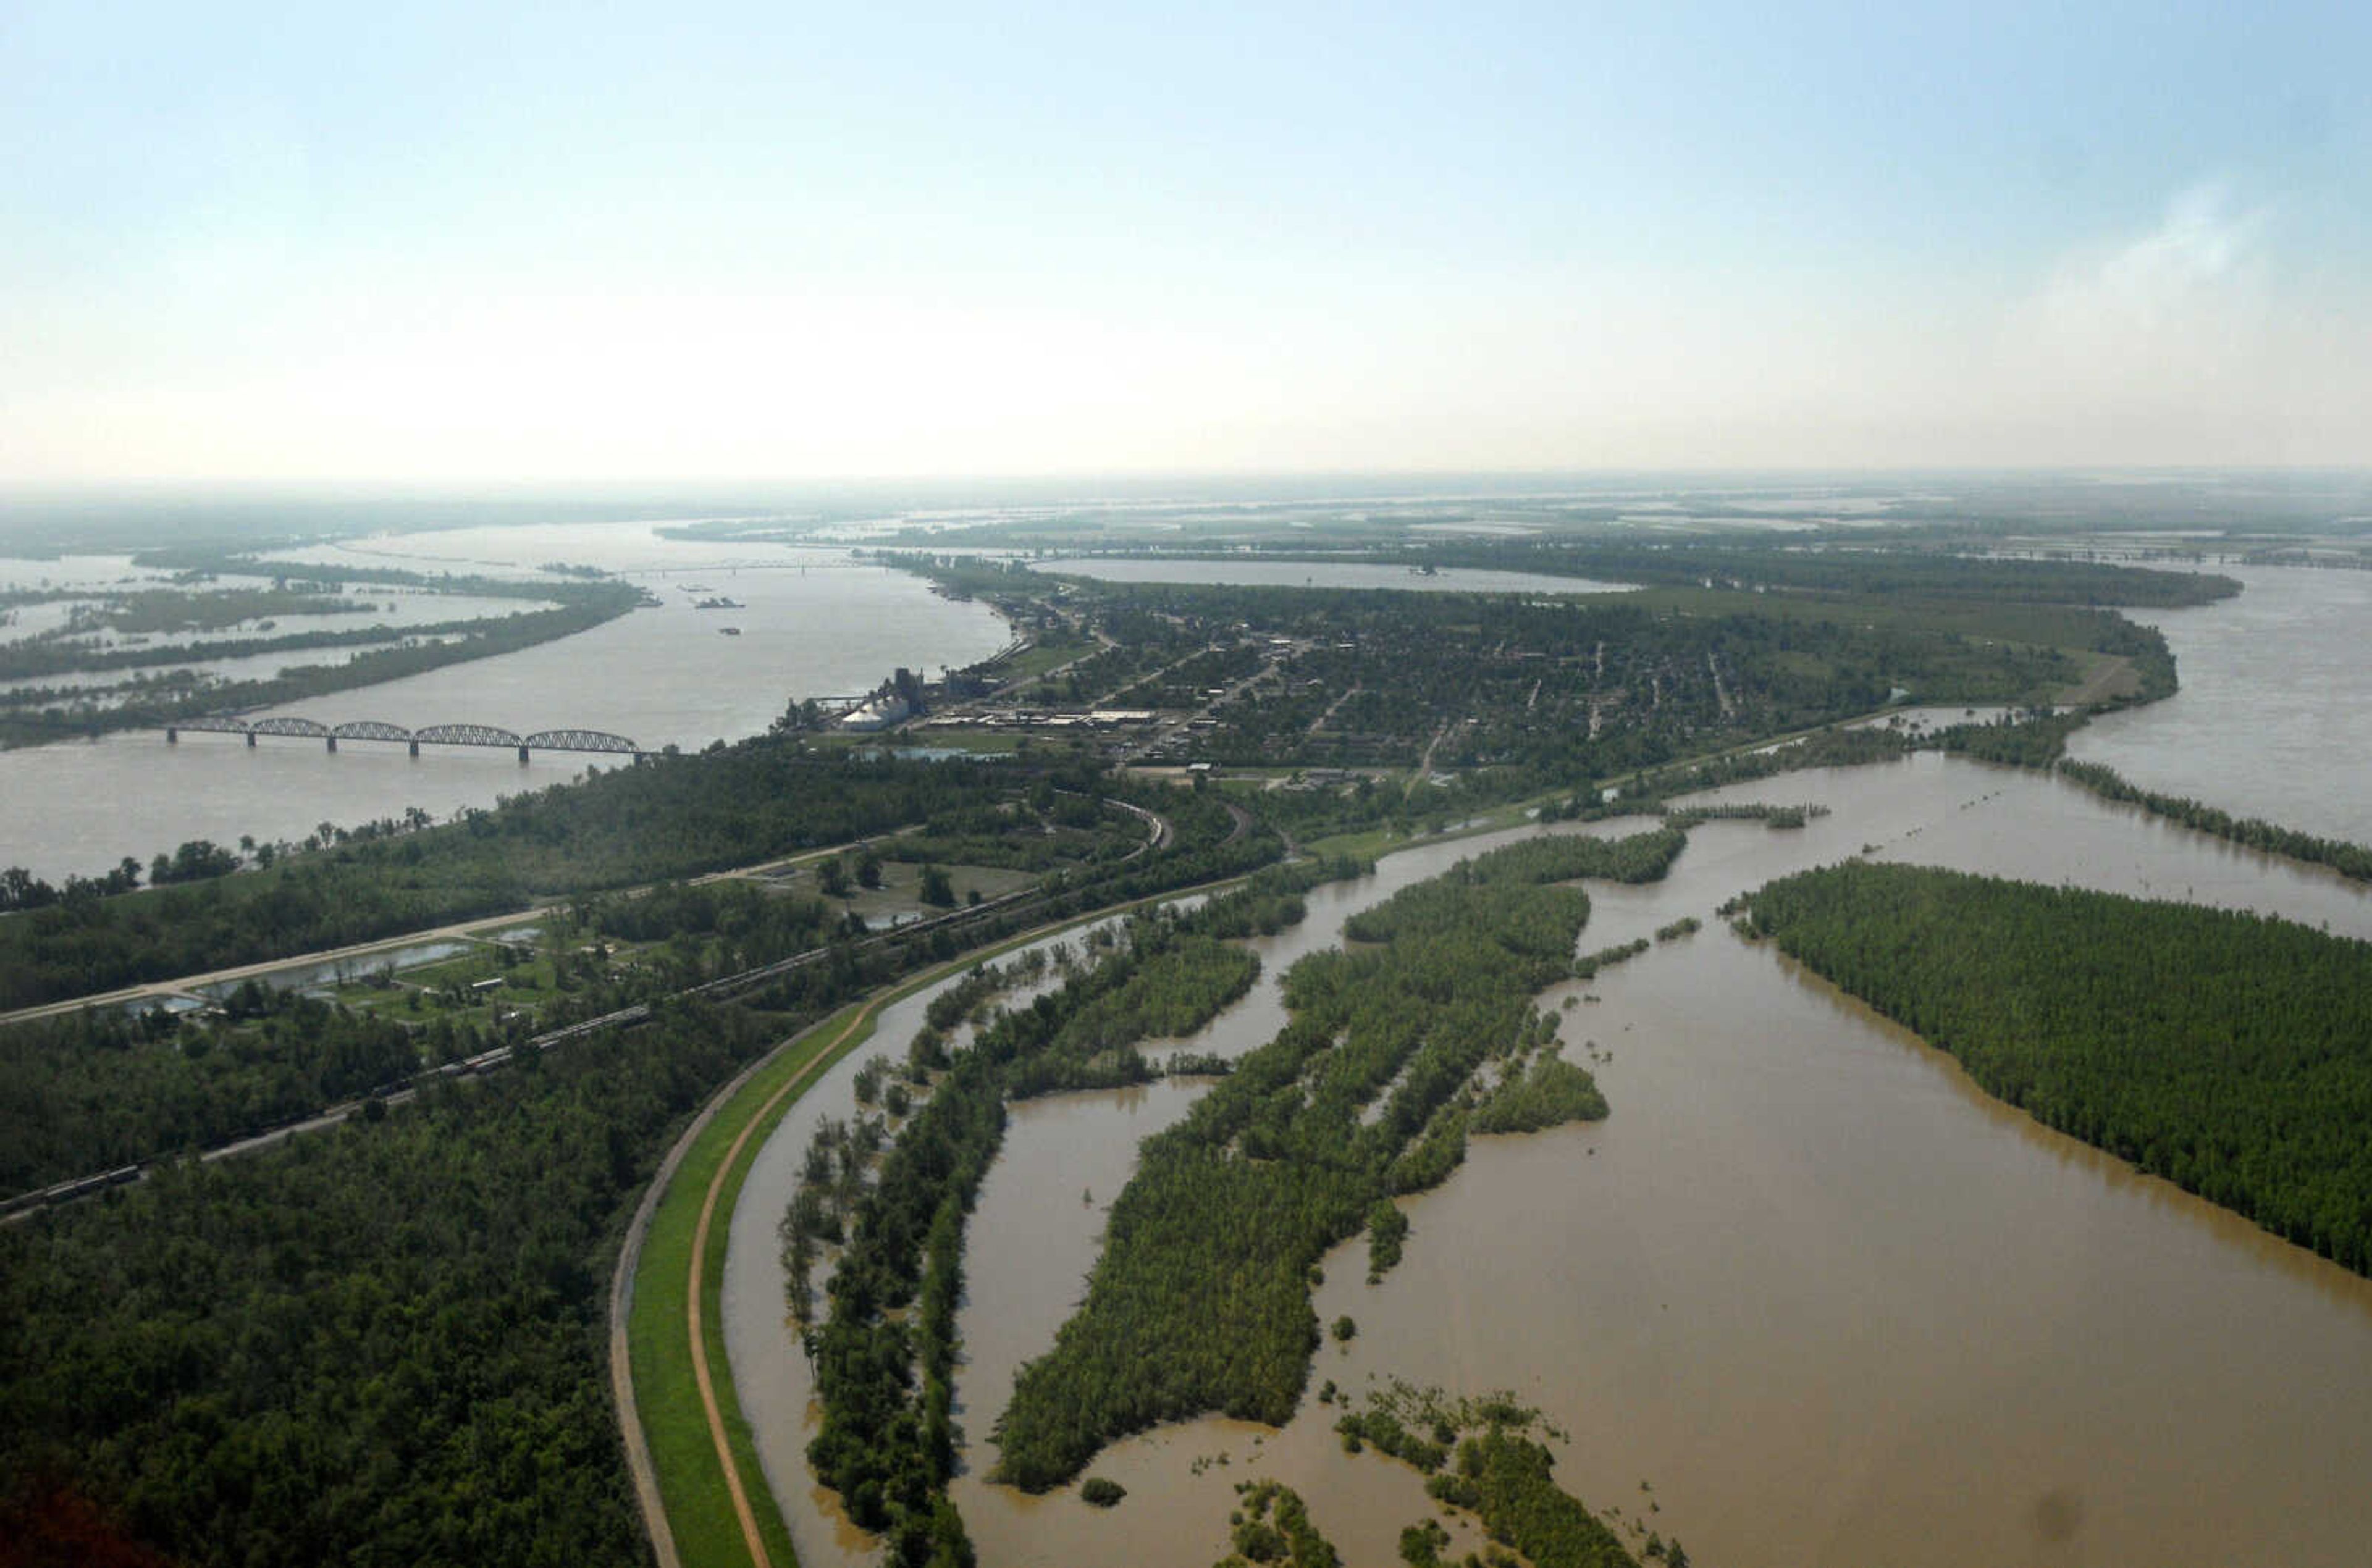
(692, 1488)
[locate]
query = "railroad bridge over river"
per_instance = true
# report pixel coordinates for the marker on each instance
(433, 735)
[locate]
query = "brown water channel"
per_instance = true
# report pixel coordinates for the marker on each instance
(2271, 712)
(1832, 1301)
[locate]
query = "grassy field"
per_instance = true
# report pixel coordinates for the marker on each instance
(698, 1502)
(1052, 650)
(981, 742)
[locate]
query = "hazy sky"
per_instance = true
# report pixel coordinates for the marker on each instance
(478, 242)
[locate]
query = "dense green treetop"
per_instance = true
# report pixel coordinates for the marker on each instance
(1201, 1299)
(669, 816)
(380, 1345)
(2228, 1052)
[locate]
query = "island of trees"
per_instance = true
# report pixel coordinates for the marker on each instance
(1200, 1301)
(885, 1353)
(2229, 1052)
(384, 1342)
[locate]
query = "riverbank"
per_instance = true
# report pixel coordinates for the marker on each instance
(813, 626)
(1619, 1315)
(703, 1490)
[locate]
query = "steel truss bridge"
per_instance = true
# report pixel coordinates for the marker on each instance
(433, 735)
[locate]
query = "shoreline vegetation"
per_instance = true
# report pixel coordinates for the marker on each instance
(1888, 568)
(111, 1087)
(1482, 1457)
(2040, 744)
(283, 1357)
(32, 715)
(1200, 1300)
(884, 1355)
(671, 817)
(2349, 859)
(2228, 1053)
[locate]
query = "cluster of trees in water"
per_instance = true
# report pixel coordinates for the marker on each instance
(1505, 1480)
(1589, 964)
(1271, 1527)
(886, 1445)
(1273, 900)
(1567, 857)
(1479, 1455)
(884, 1357)
(2228, 1053)
(968, 996)
(1547, 1092)
(1200, 1301)
(2349, 859)
(1166, 983)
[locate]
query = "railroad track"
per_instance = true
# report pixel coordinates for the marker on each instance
(1020, 902)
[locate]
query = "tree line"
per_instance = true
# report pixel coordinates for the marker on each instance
(670, 816)
(39, 718)
(383, 1344)
(1479, 1455)
(2229, 1052)
(885, 1355)
(2350, 859)
(1200, 1301)
(386, 1343)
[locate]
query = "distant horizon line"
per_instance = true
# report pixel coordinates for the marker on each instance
(460, 488)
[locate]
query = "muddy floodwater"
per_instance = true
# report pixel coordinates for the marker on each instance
(2271, 712)
(1827, 1299)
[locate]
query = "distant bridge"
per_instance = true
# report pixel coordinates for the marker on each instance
(433, 735)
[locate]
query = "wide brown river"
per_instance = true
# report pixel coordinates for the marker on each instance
(1825, 1298)
(812, 623)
